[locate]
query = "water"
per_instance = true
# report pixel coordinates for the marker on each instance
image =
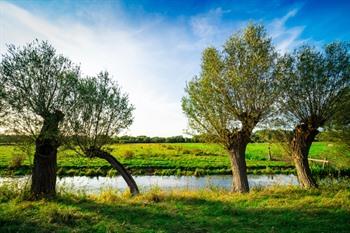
(97, 184)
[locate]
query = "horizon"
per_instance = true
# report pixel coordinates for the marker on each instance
(152, 48)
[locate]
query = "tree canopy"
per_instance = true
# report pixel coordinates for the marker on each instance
(36, 82)
(315, 84)
(101, 112)
(236, 87)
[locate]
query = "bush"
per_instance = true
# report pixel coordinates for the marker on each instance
(16, 161)
(128, 154)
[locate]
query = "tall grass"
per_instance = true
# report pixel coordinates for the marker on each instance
(272, 209)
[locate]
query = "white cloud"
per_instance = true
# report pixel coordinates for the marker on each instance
(210, 29)
(146, 61)
(206, 25)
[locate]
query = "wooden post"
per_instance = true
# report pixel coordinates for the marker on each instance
(323, 161)
(270, 157)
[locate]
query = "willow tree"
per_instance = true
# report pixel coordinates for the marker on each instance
(338, 128)
(315, 87)
(235, 91)
(101, 112)
(38, 89)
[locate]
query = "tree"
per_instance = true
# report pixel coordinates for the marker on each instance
(101, 112)
(315, 84)
(338, 128)
(235, 91)
(39, 87)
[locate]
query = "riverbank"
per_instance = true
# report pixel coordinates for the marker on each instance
(191, 159)
(275, 209)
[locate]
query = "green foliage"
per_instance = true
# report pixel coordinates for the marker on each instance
(315, 83)
(101, 112)
(236, 88)
(338, 129)
(37, 82)
(146, 139)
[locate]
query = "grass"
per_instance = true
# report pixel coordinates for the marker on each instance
(276, 209)
(181, 159)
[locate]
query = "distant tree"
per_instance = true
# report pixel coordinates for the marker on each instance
(235, 91)
(102, 111)
(315, 84)
(38, 88)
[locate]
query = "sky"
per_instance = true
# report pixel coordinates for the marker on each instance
(152, 48)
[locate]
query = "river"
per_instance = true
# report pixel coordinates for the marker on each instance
(95, 185)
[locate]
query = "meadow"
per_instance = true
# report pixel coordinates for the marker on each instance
(180, 159)
(274, 209)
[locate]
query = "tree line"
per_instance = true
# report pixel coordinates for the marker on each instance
(259, 136)
(246, 85)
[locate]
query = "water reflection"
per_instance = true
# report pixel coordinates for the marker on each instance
(96, 184)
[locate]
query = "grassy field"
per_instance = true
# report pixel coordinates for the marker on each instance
(180, 159)
(276, 209)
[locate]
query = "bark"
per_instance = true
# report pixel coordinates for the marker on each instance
(239, 171)
(304, 135)
(238, 164)
(45, 157)
(93, 152)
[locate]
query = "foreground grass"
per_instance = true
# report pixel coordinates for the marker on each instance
(277, 209)
(181, 159)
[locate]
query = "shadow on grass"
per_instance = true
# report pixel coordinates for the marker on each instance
(175, 214)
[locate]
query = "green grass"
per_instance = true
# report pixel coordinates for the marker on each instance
(182, 159)
(276, 209)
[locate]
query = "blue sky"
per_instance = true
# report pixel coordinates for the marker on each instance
(153, 47)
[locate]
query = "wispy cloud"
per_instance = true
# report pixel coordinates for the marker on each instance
(207, 25)
(211, 29)
(285, 39)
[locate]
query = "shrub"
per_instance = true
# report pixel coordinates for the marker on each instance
(128, 154)
(16, 160)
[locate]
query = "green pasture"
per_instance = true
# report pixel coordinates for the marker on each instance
(180, 159)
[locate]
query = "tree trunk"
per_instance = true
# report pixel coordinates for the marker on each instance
(45, 157)
(301, 143)
(239, 168)
(93, 152)
(44, 169)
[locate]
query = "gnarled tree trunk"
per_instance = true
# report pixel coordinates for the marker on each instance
(94, 152)
(238, 164)
(301, 143)
(45, 157)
